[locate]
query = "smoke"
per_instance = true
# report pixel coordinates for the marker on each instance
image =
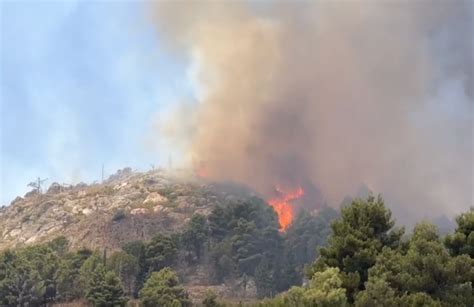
(331, 93)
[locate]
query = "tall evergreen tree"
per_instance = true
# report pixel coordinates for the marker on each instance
(364, 228)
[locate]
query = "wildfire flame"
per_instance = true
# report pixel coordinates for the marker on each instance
(201, 170)
(283, 207)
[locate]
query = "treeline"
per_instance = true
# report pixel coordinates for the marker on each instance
(238, 240)
(369, 262)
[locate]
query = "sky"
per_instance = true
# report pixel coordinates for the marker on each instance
(82, 83)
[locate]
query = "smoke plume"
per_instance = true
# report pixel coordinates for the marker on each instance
(332, 93)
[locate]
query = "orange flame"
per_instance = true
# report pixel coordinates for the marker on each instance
(201, 170)
(283, 207)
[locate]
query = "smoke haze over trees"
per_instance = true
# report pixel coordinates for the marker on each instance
(334, 93)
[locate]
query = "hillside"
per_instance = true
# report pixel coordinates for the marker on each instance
(126, 207)
(216, 236)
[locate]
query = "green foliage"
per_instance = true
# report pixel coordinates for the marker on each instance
(245, 241)
(46, 263)
(306, 233)
(379, 293)
(163, 289)
(20, 283)
(39, 274)
(358, 237)
(101, 288)
(423, 275)
(325, 290)
(59, 245)
(210, 300)
(195, 236)
(462, 241)
(29, 275)
(126, 267)
(365, 263)
(69, 284)
(264, 280)
(137, 250)
(160, 252)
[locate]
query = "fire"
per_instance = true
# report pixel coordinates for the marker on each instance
(283, 207)
(201, 170)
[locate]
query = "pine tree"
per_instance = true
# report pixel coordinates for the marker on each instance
(163, 289)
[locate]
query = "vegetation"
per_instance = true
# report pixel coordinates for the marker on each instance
(368, 264)
(163, 289)
(462, 241)
(366, 261)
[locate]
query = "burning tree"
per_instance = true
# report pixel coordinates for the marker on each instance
(283, 207)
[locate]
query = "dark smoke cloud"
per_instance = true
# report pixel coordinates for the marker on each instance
(334, 93)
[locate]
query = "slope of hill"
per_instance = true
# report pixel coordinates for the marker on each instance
(128, 206)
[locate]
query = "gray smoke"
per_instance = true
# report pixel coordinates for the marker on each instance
(332, 93)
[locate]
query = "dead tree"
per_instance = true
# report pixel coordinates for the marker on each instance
(37, 184)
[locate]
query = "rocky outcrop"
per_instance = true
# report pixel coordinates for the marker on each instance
(128, 206)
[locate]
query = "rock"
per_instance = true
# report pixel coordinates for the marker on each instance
(120, 186)
(160, 209)
(81, 185)
(138, 211)
(31, 193)
(81, 194)
(55, 188)
(134, 196)
(31, 240)
(154, 199)
(17, 199)
(120, 174)
(83, 214)
(15, 232)
(150, 181)
(87, 211)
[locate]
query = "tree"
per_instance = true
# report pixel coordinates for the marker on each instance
(137, 249)
(425, 274)
(163, 289)
(241, 233)
(305, 235)
(195, 235)
(325, 290)
(101, 288)
(59, 245)
(364, 228)
(45, 263)
(160, 252)
(69, 283)
(20, 283)
(264, 279)
(219, 223)
(245, 249)
(377, 293)
(210, 300)
(462, 242)
(125, 266)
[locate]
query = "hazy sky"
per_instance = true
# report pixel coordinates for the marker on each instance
(80, 84)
